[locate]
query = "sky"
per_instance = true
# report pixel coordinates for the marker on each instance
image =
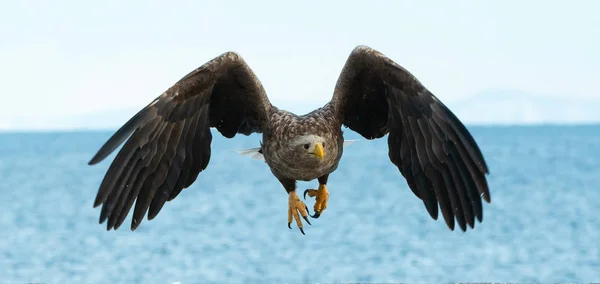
(69, 58)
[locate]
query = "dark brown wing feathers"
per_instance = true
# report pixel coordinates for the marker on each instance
(433, 150)
(169, 140)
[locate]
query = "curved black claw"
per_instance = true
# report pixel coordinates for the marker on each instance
(302, 231)
(316, 215)
(305, 194)
(290, 225)
(306, 218)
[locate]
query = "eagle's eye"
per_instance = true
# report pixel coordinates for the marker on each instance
(306, 146)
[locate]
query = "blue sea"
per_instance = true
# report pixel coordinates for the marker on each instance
(230, 226)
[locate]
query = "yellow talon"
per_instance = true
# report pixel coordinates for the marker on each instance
(295, 205)
(321, 201)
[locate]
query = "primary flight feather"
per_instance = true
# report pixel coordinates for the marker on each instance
(168, 143)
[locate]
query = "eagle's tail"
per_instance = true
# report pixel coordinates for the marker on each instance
(256, 153)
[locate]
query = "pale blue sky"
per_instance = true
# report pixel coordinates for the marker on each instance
(61, 58)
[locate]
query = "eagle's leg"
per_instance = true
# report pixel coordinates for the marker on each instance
(322, 196)
(295, 205)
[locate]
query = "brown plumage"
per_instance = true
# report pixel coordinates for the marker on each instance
(169, 143)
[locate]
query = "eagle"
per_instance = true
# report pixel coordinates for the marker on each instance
(168, 142)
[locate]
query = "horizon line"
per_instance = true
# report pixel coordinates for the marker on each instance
(476, 125)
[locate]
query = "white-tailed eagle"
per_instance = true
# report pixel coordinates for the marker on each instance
(170, 139)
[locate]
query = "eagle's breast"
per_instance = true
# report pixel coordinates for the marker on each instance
(280, 155)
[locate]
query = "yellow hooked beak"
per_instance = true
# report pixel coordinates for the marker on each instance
(318, 151)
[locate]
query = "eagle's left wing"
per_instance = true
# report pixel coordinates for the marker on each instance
(432, 149)
(168, 143)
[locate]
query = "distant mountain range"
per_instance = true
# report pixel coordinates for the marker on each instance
(492, 107)
(107, 120)
(517, 107)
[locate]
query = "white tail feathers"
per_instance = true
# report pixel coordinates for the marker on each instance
(255, 153)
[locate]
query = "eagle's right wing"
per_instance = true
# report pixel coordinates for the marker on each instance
(430, 146)
(170, 138)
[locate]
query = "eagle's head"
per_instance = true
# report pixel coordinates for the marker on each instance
(310, 148)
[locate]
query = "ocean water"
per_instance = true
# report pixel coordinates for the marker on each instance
(230, 226)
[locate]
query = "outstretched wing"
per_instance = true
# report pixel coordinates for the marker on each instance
(432, 149)
(170, 138)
